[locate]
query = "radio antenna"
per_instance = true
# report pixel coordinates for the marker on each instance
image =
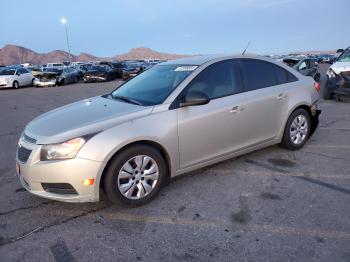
(246, 48)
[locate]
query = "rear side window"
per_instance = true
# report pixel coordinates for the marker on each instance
(217, 80)
(283, 76)
(259, 74)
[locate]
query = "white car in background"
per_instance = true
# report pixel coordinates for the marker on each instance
(56, 65)
(15, 77)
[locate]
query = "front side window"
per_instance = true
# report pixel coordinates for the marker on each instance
(153, 86)
(217, 80)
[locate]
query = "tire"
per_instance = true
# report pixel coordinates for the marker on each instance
(297, 121)
(76, 80)
(326, 94)
(32, 85)
(129, 190)
(317, 78)
(63, 82)
(15, 85)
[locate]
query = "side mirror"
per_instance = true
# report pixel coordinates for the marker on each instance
(194, 98)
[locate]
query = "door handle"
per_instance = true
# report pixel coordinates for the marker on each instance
(236, 109)
(281, 96)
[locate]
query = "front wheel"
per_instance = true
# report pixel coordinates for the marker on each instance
(15, 85)
(135, 175)
(297, 130)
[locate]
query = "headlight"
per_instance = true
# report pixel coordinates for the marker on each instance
(65, 150)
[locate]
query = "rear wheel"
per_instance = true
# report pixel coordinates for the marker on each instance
(326, 94)
(317, 78)
(135, 175)
(15, 85)
(297, 129)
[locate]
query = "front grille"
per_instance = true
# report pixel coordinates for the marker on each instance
(59, 188)
(23, 154)
(29, 139)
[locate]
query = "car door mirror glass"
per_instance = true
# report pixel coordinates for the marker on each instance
(194, 98)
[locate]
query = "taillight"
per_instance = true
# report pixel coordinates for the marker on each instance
(317, 86)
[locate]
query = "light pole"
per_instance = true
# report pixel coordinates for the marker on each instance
(64, 22)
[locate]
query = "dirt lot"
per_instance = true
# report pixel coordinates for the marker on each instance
(270, 205)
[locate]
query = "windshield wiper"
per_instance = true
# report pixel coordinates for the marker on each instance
(126, 99)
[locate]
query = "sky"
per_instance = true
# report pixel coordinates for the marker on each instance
(110, 27)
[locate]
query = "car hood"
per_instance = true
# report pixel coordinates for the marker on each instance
(82, 118)
(339, 67)
(47, 75)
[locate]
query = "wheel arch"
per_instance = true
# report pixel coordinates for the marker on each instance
(151, 143)
(304, 106)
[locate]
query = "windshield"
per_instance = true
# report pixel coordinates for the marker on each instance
(53, 70)
(345, 57)
(153, 86)
(5, 72)
(103, 68)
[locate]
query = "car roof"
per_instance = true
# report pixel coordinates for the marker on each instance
(202, 59)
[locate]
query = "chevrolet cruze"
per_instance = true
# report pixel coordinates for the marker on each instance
(177, 116)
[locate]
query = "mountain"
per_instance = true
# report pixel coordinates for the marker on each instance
(146, 53)
(12, 54)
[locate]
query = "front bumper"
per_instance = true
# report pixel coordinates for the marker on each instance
(315, 114)
(339, 85)
(34, 174)
(94, 78)
(5, 85)
(40, 83)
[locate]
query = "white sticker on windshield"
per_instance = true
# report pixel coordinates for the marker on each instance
(185, 68)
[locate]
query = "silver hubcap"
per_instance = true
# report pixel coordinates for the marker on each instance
(298, 129)
(138, 177)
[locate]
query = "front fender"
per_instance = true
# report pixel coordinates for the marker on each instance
(160, 128)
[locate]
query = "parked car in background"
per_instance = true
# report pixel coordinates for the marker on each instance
(306, 66)
(56, 65)
(338, 77)
(57, 77)
(15, 77)
(131, 69)
(35, 69)
(77, 65)
(98, 73)
(160, 124)
(327, 59)
(118, 67)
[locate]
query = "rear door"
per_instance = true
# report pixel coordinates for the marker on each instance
(266, 100)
